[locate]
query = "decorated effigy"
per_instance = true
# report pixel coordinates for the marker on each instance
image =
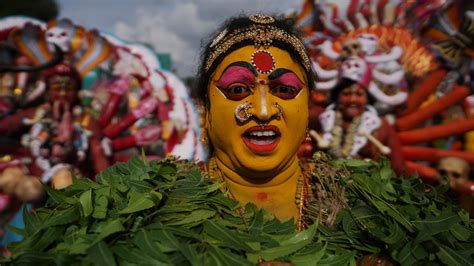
(393, 78)
(56, 123)
(254, 201)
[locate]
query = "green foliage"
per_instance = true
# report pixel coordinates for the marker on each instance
(158, 213)
(169, 213)
(399, 219)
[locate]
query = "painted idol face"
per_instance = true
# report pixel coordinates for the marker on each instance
(258, 110)
(352, 101)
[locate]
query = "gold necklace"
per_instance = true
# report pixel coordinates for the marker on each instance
(302, 191)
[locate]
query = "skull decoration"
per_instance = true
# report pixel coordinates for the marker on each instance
(453, 170)
(59, 36)
(354, 68)
(350, 48)
(368, 43)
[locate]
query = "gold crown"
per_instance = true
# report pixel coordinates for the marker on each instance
(262, 35)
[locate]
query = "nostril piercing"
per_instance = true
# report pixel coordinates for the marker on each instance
(241, 112)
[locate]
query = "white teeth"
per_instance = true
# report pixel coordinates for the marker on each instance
(266, 133)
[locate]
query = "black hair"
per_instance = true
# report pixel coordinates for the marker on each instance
(242, 21)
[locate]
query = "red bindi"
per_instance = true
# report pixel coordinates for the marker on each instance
(263, 61)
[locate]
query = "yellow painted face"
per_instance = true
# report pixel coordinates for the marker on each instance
(258, 111)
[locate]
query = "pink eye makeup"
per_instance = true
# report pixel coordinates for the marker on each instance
(286, 85)
(236, 82)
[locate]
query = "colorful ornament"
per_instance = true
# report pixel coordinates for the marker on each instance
(241, 112)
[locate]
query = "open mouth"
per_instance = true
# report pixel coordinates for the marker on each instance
(262, 139)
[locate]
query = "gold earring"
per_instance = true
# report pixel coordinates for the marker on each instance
(204, 138)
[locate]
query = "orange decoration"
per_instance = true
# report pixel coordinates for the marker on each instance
(417, 118)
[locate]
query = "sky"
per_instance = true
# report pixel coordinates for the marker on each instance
(170, 26)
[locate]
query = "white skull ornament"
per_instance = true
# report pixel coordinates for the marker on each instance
(350, 48)
(368, 42)
(453, 170)
(354, 68)
(59, 36)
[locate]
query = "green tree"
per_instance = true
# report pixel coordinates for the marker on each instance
(44, 10)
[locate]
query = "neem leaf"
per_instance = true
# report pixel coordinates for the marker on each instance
(109, 227)
(100, 254)
(191, 254)
(346, 258)
(386, 172)
(276, 227)
(145, 241)
(168, 241)
(256, 226)
(86, 202)
(138, 169)
(32, 222)
(82, 184)
(195, 216)
(166, 170)
(140, 201)
(81, 244)
(303, 236)
(460, 232)
(63, 217)
(100, 207)
(44, 238)
(451, 257)
(419, 252)
(139, 185)
(309, 260)
(34, 258)
(405, 256)
(289, 246)
(224, 201)
(225, 257)
(396, 234)
(133, 256)
(225, 235)
(58, 195)
(435, 225)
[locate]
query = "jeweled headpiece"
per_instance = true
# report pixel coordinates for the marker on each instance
(262, 32)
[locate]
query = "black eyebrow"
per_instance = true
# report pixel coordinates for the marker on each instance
(278, 72)
(242, 64)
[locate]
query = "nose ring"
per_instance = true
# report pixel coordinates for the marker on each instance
(280, 110)
(242, 112)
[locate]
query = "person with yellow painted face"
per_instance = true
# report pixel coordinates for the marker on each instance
(254, 82)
